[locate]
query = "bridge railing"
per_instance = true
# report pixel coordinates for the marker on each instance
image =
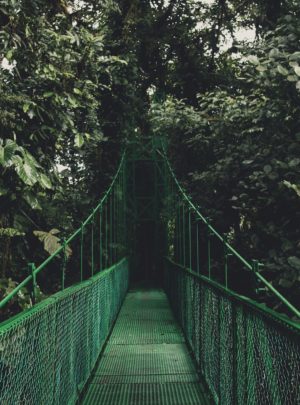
(195, 244)
(96, 245)
(48, 352)
(246, 352)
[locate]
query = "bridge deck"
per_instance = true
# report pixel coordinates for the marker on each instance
(146, 360)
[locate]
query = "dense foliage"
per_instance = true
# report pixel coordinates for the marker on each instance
(55, 75)
(241, 153)
(80, 78)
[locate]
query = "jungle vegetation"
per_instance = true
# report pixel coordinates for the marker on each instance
(80, 79)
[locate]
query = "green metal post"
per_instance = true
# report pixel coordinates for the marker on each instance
(197, 245)
(255, 265)
(81, 251)
(225, 260)
(176, 248)
(124, 209)
(63, 276)
(110, 230)
(175, 240)
(117, 219)
(92, 242)
(179, 236)
(100, 239)
(255, 269)
(190, 239)
(106, 237)
(183, 234)
(31, 271)
(112, 225)
(209, 235)
(115, 223)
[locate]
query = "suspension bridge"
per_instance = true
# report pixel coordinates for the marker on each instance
(154, 307)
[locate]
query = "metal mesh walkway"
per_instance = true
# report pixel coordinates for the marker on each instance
(146, 360)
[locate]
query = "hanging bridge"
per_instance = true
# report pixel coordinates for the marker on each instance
(154, 307)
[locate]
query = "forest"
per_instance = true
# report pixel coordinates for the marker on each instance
(80, 80)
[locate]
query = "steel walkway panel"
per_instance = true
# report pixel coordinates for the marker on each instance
(146, 360)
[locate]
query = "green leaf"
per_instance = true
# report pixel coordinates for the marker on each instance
(48, 94)
(292, 78)
(282, 70)
(294, 262)
(26, 173)
(26, 169)
(54, 231)
(295, 56)
(294, 187)
(73, 102)
(32, 201)
(10, 232)
(9, 150)
(9, 55)
(261, 68)
(297, 70)
(26, 107)
(293, 63)
(274, 53)
(51, 242)
(30, 159)
(45, 181)
(253, 59)
(31, 173)
(16, 160)
(79, 140)
(294, 162)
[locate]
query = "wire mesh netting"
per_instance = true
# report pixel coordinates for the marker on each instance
(97, 244)
(47, 353)
(246, 354)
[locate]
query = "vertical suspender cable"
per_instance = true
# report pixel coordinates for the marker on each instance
(100, 239)
(81, 252)
(92, 242)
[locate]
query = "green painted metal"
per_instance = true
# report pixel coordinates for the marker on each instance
(188, 206)
(64, 263)
(78, 234)
(146, 360)
(145, 183)
(48, 352)
(246, 353)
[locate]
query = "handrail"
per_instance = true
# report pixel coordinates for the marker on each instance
(249, 266)
(38, 269)
(238, 297)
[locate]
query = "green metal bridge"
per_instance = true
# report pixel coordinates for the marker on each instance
(149, 311)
